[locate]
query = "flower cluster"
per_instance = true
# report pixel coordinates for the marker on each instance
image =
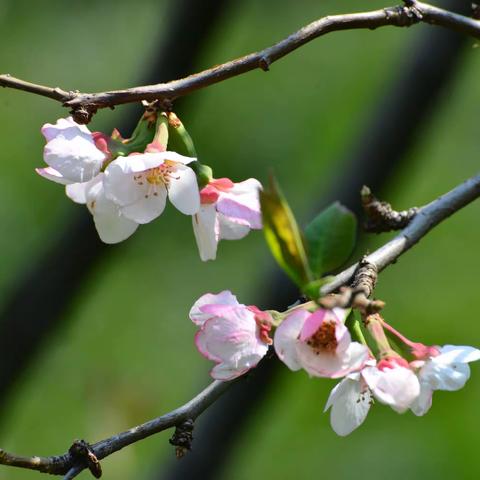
(236, 337)
(123, 187)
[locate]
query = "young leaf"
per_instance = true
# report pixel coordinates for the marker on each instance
(283, 235)
(330, 238)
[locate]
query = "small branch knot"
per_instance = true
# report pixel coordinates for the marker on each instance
(356, 295)
(264, 64)
(182, 438)
(404, 16)
(365, 278)
(83, 114)
(381, 217)
(82, 453)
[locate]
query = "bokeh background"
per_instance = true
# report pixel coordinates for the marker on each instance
(117, 348)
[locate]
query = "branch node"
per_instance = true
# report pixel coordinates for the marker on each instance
(182, 438)
(264, 63)
(84, 113)
(381, 217)
(404, 16)
(83, 454)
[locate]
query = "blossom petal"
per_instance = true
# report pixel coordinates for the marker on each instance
(457, 354)
(51, 174)
(77, 192)
(111, 226)
(397, 387)
(242, 203)
(231, 230)
(440, 376)
(223, 298)
(71, 150)
(232, 338)
(350, 402)
(421, 405)
(183, 190)
(286, 338)
(120, 184)
(206, 231)
(148, 207)
(63, 125)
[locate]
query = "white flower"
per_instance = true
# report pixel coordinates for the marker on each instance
(350, 400)
(393, 383)
(71, 152)
(448, 370)
(140, 183)
(320, 343)
(228, 211)
(233, 335)
(111, 225)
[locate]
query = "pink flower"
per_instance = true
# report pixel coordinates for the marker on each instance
(393, 383)
(443, 368)
(70, 152)
(233, 335)
(228, 211)
(140, 183)
(320, 343)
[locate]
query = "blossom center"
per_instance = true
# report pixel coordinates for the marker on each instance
(159, 175)
(324, 339)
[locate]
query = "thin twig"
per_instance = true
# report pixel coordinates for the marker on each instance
(399, 16)
(427, 218)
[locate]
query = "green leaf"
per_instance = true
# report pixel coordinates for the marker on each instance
(283, 235)
(330, 238)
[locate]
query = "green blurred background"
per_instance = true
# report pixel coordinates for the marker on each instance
(125, 353)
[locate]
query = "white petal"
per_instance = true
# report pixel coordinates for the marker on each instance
(74, 155)
(120, 184)
(223, 298)
(51, 174)
(350, 403)
(423, 402)
(440, 376)
(148, 207)
(176, 157)
(64, 126)
(230, 230)
(183, 190)
(111, 226)
(286, 338)
(397, 387)
(206, 231)
(457, 354)
(77, 192)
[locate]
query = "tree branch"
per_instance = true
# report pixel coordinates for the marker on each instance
(399, 16)
(427, 218)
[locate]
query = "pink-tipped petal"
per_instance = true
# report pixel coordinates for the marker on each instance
(223, 298)
(51, 174)
(286, 338)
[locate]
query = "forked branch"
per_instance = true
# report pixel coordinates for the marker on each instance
(410, 13)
